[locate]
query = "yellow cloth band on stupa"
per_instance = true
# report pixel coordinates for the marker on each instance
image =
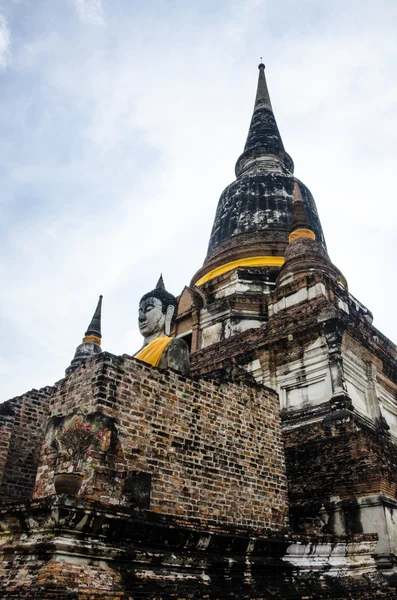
(253, 261)
(92, 338)
(153, 352)
(299, 233)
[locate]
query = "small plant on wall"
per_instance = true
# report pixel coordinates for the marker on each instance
(78, 438)
(77, 441)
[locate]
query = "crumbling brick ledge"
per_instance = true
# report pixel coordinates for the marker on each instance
(68, 548)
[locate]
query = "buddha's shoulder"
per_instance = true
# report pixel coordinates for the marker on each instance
(178, 343)
(176, 356)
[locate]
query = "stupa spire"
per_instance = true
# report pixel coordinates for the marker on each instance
(94, 328)
(91, 342)
(262, 99)
(263, 138)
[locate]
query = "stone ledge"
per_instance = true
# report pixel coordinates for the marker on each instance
(65, 548)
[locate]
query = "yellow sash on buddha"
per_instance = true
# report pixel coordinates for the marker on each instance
(153, 352)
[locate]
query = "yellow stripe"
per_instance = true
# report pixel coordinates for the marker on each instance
(92, 338)
(301, 233)
(253, 261)
(153, 352)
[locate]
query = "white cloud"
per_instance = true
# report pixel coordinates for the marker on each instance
(121, 143)
(5, 39)
(90, 11)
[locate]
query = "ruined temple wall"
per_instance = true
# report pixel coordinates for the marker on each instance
(214, 452)
(289, 354)
(22, 422)
(361, 368)
(339, 457)
(371, 382)
(6, 425)
(341, 478)
(387, 400)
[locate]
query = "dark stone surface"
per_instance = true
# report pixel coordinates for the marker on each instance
(137, 488)
(94, 327)
(6, 410)
(260, 203)
(264, 133)
(176, 357)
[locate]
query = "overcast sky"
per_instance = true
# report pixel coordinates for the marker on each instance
(120, 124)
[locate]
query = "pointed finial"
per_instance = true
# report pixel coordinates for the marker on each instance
(93, 333)
(160, 284)
(262, 99)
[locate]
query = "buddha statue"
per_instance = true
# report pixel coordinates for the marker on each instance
(157, 311)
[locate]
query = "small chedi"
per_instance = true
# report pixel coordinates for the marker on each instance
(247, 450)
(91, 342)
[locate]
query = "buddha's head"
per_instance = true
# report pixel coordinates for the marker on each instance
(157, 310)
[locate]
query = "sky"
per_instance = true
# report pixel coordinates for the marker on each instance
(120, 125)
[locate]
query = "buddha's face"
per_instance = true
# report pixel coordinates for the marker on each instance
(151, 317)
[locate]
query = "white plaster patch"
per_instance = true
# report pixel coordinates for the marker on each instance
(388, 406)
(255, 368)
(357, 396)
(355, 370)
(376, 516)
(245, 324)
(203, 542)
(390, 417)
(337, 559)
(313, 393)
(301, 295)
(211, 335)
(307, 380)
(343, 305)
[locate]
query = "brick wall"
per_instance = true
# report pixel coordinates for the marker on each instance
(214, 451)
(22, 422)
(341, 458)
(6, 423)
(300, 322)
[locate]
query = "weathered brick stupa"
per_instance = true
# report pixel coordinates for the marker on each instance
(268, 472)
(269, 301)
